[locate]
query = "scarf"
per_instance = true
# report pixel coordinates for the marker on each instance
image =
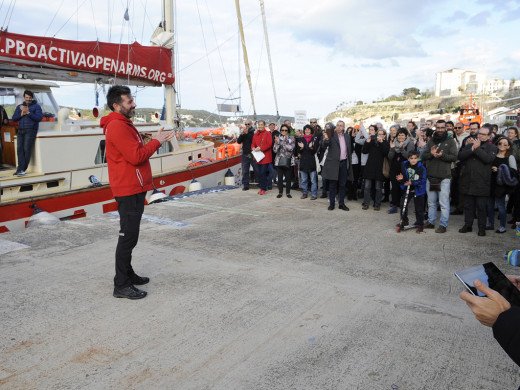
(308, 138)
(437, 139)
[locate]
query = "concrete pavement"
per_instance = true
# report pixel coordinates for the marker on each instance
(248, 292)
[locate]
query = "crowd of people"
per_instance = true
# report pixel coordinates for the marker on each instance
(443, 166)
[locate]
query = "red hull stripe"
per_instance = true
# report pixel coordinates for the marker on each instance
(98, 195)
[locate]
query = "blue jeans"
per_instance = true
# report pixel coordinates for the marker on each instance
(262, 176)
(443, 198)
(270, 176)
(25, 141)
(368, 190)
(502, 213)
(246, 163)
(305, 184)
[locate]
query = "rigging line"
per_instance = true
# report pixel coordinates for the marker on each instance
(9, 13)
(54, 17)
(71, 16)
(216, 42)
(207, 55)
(144, 19)
(222, 43)
(94, 19)
(269, 56)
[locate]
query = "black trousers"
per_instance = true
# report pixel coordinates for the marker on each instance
(419, 208)
(396, 192)
(287, 172)
(480, 203)
(130, 212)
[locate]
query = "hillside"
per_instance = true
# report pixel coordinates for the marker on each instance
(413, 108)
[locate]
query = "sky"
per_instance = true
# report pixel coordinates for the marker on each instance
(323, 53)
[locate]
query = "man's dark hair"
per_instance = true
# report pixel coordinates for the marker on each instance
(440, 121)
(450, 123)
(489, 127)
(475, 123)
(27, 92)
(114, 95)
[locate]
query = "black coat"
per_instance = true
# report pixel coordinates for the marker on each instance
(307, 159)
(475, 174)
(505, 331)
(246, 140)
(377, 151)
(330, 169)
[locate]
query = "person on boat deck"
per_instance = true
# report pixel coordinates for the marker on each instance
(262, 141)
(130, 176)
(4, 120)
(28, 115)
(246, 139)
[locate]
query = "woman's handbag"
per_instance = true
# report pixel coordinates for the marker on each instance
(386, 168)
(284, 162)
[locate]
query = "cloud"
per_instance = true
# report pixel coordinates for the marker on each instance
(438, 31)
(511, 15)
(360, 29)
(479, 19)
(457, 16)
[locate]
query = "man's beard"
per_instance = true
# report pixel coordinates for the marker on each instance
(128, 113)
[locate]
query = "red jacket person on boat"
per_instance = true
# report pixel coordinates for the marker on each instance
(130, 176)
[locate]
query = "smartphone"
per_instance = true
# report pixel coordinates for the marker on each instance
(489, 274)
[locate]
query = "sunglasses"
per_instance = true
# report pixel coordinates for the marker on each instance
(284, 130)
(459, 127)
(248, 124)
(313, 123)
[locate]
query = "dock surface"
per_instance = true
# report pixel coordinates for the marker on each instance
(248, 292)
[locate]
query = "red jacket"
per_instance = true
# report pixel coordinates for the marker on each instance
(129, 169)
(264, 139)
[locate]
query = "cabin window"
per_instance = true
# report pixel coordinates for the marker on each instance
(165, 148)
(26, 188)
(8, 101)
(46, 102)
(52, 184)
(101, 157)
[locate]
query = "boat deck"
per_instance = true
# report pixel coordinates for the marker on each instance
(248, 292)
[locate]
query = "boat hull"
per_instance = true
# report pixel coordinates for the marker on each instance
(79, 203)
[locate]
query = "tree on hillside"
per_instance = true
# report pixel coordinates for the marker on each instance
(359, 103)
(411, 92)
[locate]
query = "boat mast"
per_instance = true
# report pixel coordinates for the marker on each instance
(269, 57)
(246, 61)
(170, 111)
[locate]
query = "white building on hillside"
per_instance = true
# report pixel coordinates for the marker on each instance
(455, 82)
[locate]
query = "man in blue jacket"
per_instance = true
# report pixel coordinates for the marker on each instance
(28, 115)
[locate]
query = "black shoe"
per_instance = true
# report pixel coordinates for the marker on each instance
(289, 195)
(129, 292)
(331, 207)
(490, 228)
(324, 195)
(245, 189)
(270, 188)
(139, 280)
(465, 229)
(343, 207)
(279, 195)
(481, 232)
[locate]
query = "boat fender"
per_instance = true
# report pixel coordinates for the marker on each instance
(63, 115)
(41, 217)
(157, 196)
(229, 178)
(194, 186)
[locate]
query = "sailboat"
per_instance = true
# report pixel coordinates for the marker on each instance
(67, 175)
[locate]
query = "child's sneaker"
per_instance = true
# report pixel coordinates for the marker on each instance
(419, 229)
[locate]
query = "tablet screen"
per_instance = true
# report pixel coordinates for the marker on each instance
(489, 274)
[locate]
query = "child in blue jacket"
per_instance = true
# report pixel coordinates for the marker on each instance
(413, 175)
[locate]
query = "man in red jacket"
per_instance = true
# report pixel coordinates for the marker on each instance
(130, 176)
